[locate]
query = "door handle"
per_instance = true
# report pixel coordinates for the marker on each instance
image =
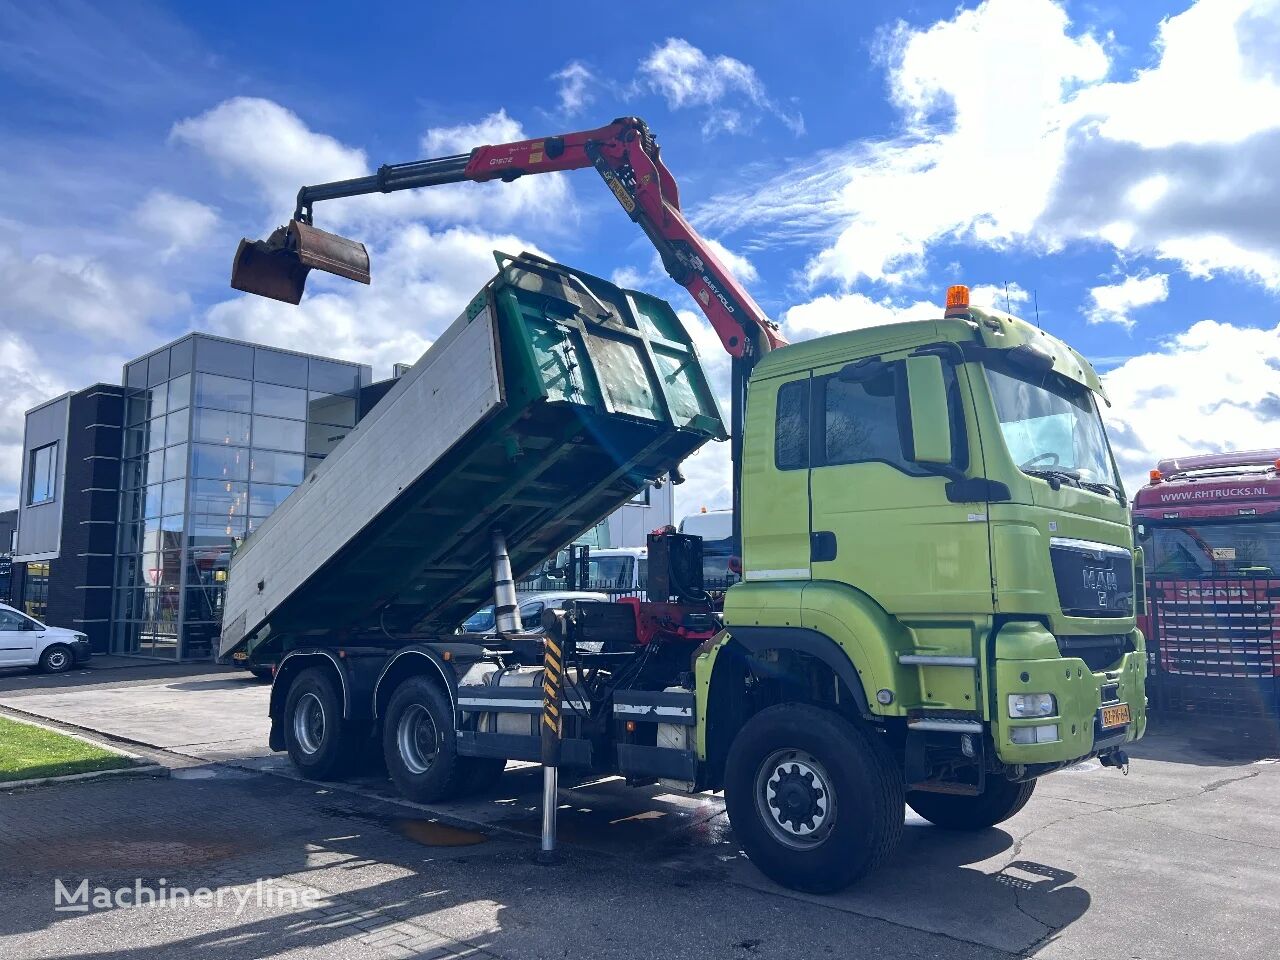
(822, 546)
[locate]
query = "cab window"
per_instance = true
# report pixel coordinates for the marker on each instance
(791, 427)
(829, 421)
(860, 421)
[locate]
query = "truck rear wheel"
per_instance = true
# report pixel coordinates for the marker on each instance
(997, 803)
(419, 743)
(815, 801)
(315, 733)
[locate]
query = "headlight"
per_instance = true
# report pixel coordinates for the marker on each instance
(1023, 706)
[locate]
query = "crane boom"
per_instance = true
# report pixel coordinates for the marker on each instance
(626, 155)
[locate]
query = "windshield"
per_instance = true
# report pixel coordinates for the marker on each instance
(610, 573)
(1051, 425)
(1211, 549)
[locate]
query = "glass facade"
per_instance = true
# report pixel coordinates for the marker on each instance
(217, 434)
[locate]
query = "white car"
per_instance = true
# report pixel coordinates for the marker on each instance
(25, 642)
(531, 606)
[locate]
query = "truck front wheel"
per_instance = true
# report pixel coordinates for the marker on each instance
(815, 801)
(997, 803)
(315, 733)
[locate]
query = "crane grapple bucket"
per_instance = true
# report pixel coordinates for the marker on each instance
(278, 266)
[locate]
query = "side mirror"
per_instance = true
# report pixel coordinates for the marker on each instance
(927, 410)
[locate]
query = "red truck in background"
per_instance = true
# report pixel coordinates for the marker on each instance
(1209, 528)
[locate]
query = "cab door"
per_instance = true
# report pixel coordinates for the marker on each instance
(17, 642)
(883, 523)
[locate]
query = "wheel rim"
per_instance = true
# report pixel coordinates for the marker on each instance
(417, 739)
(57, 660)
(795, 799)
(308, 723)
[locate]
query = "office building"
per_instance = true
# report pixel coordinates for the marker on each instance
(216, 434)
(134, 495)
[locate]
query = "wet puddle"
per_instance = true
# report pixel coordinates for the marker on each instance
(429, 833)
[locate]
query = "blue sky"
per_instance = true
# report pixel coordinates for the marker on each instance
(1116, 164)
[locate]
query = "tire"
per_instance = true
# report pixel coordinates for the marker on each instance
(997, 803)
(57, 658)
(814, 755)
(315, 734)
(419, 743)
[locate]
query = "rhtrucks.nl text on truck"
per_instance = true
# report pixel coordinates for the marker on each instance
(1210, 529)
(937, 604)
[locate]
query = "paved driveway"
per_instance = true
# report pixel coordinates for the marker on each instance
(200, 711)
(1179, 859)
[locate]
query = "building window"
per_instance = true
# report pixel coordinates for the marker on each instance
(42, 474)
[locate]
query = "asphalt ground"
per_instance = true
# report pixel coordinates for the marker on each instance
(1179, 859)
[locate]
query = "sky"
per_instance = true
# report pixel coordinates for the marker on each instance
(1112, 170)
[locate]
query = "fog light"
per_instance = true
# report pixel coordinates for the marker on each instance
(1023, 706)
(968, 746)
(1041, 733)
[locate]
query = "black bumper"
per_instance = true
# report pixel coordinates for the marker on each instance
(81, 652)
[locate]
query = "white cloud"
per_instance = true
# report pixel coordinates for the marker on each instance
(971, 162)
(56, 296)
(1212, 388)
(730, 90)
(1215, 82)
(1010, 297)
(575, 87)
(178, 221)
(260, 141)
(1113, 303)
(1041, 148)
(850, 311)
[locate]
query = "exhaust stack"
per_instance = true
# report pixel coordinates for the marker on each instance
(506, 612)
(278, 266)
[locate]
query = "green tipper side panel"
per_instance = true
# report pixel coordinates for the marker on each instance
(603, 392)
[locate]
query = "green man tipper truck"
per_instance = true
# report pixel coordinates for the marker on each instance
(937, 595)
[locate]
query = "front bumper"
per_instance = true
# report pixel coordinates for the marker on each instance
(1081, 695)
(81, 652)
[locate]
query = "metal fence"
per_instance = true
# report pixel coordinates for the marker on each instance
(1212, 645)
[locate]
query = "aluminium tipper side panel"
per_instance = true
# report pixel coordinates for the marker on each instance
(454, 388)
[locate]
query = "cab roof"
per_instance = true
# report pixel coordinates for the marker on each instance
(992, 328)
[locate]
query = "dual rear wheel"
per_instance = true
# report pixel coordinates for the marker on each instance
(418, 742)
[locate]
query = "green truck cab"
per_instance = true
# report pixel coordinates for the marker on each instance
(938, 576)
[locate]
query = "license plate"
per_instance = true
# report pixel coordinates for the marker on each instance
(1116, 716)
(239, 656)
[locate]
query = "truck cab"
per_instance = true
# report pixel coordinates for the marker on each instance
(1207, 525)
(936, 544)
